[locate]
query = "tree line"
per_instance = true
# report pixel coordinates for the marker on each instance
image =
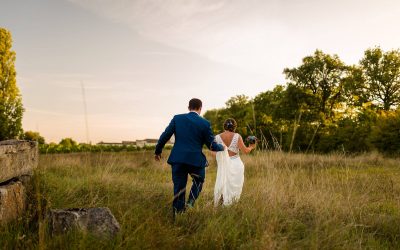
(68, 145)
(325, 106)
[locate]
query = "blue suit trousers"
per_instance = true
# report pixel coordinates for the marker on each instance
(180, 174)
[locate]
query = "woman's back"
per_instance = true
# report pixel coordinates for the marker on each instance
(230, 139)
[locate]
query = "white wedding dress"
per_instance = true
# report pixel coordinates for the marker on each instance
(230, 173)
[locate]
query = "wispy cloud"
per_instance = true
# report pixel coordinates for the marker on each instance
(49, 113)
(255, 34)
(233, 32)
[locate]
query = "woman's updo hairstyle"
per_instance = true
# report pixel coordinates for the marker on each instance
(230, 124)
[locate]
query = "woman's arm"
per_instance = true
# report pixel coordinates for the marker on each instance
(243, 147)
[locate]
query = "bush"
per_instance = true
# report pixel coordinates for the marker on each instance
(70, 146)
(385, 134)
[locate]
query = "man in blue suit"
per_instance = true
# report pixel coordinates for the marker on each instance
(191, 133)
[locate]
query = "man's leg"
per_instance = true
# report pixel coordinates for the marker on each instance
(179, 178)
(198, 175)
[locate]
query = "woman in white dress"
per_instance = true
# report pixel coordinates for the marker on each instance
(230, 172)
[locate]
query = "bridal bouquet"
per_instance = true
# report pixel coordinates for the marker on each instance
(251, 139)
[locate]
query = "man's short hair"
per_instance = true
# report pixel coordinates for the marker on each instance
(195, 104)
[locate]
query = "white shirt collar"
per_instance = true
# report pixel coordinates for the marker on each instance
(194, 112)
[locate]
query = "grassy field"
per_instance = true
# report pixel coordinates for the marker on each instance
(289, 201)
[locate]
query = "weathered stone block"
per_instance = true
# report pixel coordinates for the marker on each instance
(12, 201)
(99, 221)
(17, 158)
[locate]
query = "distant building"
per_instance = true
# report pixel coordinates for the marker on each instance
(110, 143)
(129, 143)
(137, 143)
(150, 142)
(140, 143)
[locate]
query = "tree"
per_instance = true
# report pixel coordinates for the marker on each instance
(68, 142)
(267, 105)
(11, 109)
(272, 116)
(216, 117)
(240, 108)
(67, 145)
(322, 76)
(381, 74)
(385, 135)
(354, 93)
(33, 136)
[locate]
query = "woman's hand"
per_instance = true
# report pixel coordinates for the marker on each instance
(243, 147)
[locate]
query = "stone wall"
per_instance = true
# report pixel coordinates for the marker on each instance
(12, 201)
(18, 159)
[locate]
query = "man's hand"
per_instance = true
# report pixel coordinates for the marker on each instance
(157, 157)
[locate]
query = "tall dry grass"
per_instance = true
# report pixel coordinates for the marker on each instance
(288, 201)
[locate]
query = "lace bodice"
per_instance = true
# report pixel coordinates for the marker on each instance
(233, 147)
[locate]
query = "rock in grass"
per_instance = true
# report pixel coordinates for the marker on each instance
(12, 200)
(99, 221)
(17, 158)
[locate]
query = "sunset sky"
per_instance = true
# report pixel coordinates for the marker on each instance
(142, 60)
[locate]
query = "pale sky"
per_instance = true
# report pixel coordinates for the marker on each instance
(142, 60)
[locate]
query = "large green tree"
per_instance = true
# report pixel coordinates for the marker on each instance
(381, 75)
(322, 76)
(354, 92)
(217, 117)
(11, 109)
(268, 105)
(239, 108)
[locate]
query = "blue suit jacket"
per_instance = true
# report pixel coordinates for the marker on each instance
(191, 133)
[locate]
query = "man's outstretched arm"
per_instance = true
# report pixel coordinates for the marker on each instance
(165, 136)
(210, 141)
